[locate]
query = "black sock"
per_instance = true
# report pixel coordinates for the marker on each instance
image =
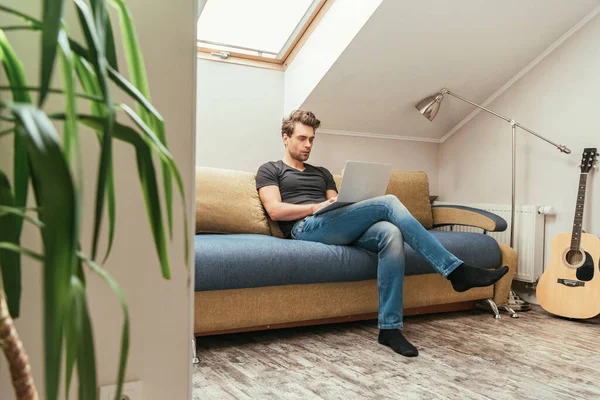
(394, 339)
(466, 277)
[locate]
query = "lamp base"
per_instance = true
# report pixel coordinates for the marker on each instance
(517, 303)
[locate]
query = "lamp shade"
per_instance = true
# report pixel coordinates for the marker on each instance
(430, 106)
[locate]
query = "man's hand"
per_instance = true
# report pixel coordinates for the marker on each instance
(317, 207)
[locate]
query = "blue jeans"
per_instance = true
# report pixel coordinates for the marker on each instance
(380, 225)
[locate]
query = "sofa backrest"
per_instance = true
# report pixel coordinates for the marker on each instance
(227, 201)
(412, 189)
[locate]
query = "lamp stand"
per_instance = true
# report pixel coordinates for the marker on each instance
(514, 301)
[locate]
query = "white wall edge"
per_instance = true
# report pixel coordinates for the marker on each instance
(521, 73)
(191, 210)
(378, 136)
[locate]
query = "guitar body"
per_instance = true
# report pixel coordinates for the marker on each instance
(570, 285)
(565, 287)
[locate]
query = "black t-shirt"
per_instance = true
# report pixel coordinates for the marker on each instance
(296, 187)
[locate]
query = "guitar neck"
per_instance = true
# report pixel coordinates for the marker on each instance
(577, 222)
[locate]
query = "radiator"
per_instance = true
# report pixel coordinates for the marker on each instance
(528, 240)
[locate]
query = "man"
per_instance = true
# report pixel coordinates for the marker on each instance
(292, 190)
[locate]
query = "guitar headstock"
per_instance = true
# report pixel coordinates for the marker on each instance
(588, 159)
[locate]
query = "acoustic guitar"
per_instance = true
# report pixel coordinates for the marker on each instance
(570, 285)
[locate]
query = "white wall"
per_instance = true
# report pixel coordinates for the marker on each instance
(558, 99)
(239, 108)
(160, 310)
(239, 127)
(332, 35)
(333, 151)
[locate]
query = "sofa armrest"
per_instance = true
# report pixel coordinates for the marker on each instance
(469, 216)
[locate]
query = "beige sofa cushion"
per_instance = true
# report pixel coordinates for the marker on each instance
(227, 202)
(412, 188)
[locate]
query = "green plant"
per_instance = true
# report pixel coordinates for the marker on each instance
(52, 167)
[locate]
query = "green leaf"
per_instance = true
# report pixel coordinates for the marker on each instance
(125, 331)
(51, 90)
(133, 54)
(105, 33)
(5, 210)
(10, 262)
(52, 15)
(86, 358)
(111, 51)
(99, 63)
(34, 22)
(87, 77)
(120, 81)
(71, 342)
(132, 91)
(168, 164)
(16, 77)
(72, 147)
(16, 28)
(112, 209)
(71, 334)
(147, 175)
(137, 72)
(14, 70)
(100, 17)
(89, 83)
(20, 250)
(96, 50)
(49, 171)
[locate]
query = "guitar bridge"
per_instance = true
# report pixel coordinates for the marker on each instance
(570, 282)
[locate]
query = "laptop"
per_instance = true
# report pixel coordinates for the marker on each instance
(361, 181)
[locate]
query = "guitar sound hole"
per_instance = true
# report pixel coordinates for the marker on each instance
(574, 257)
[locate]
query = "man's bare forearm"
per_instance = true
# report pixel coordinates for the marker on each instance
(290, 212)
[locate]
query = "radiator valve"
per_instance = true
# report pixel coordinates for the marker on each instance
(547, 210)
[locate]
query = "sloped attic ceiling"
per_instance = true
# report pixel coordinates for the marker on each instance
(408, 50)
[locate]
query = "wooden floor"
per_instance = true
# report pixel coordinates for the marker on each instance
(463, 355)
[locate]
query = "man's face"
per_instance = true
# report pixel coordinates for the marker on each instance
(301, 142)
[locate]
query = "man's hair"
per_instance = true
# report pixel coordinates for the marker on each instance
(304, 117)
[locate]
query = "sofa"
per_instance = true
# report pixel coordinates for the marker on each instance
(248, 277)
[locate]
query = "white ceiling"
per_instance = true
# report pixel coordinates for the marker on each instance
(411, 49)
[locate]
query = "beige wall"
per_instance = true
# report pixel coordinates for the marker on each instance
(558, 99)
(160, 310)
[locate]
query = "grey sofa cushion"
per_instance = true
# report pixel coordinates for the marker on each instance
(247, 260)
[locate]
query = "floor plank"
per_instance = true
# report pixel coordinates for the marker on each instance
(462, 355)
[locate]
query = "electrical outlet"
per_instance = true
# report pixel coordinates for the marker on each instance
(131, 391)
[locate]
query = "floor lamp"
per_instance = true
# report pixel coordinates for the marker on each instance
(429, 108)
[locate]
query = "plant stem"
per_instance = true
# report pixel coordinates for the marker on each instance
(20, 370)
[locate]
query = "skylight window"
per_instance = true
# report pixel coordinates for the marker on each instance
(263, 29)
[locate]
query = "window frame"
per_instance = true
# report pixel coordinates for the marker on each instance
(208, 53)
